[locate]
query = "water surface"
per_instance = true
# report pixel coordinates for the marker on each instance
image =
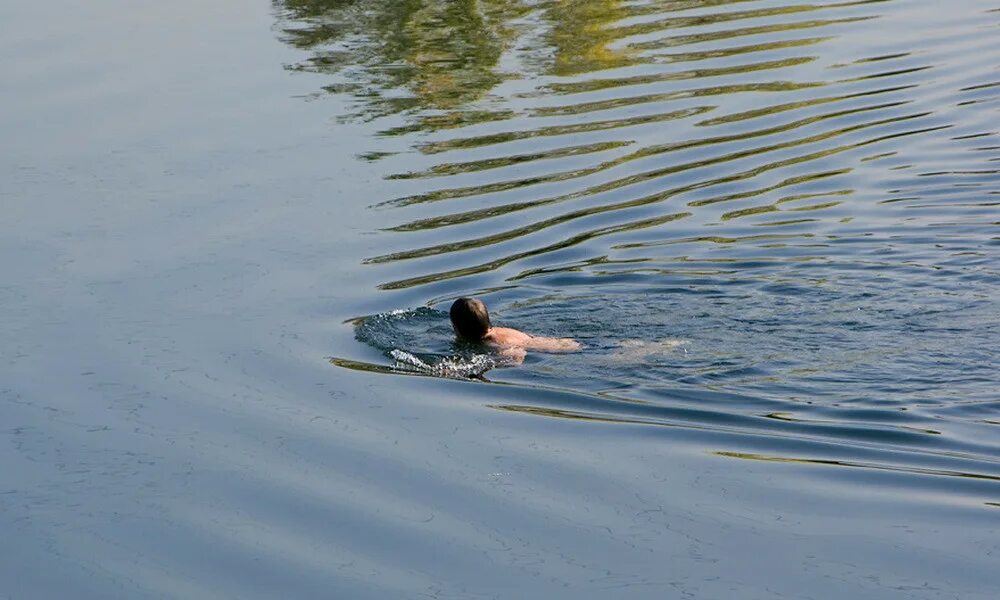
(231, 234)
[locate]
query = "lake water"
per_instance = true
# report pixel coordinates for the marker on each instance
(231, 234)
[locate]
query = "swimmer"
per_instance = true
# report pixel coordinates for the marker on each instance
(471, 321)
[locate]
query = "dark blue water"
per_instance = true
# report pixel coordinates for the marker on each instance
(231, 234)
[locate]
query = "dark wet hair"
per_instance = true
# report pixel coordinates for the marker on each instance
(470, 318)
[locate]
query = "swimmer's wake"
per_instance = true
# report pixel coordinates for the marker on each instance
(449, 366)
(420, 342)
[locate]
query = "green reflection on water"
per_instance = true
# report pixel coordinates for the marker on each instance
(412, 55)
(602, 133)
(402, 54)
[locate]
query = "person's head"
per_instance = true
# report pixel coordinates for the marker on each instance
(470, 318)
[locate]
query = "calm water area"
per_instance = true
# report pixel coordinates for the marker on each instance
(230, 233)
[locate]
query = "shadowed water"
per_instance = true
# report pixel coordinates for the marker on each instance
(231, 235)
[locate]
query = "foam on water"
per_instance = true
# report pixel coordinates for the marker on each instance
(421, 341)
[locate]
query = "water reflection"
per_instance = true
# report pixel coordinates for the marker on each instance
(806, 191)
(402, 55)
(580, 36)
(857, 465)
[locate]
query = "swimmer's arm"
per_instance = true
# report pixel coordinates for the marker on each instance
(547, 344)
(506, 337)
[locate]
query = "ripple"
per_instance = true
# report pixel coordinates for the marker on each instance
(805, 199)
